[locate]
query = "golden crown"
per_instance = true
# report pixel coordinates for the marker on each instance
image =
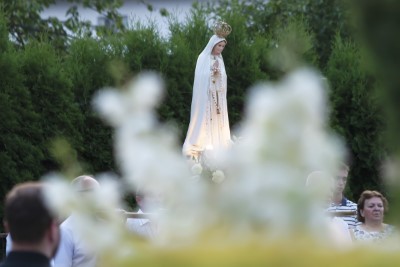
(222, 29)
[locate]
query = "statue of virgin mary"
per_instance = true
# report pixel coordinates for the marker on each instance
(209, 123)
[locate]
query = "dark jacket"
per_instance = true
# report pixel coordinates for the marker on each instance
(25, 259)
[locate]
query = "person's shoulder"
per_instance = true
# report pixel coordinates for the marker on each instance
(350, 203)
(67, 228)
(133, 224)
(357, 230)
(68, 222)
(389, 227)
(133, 221)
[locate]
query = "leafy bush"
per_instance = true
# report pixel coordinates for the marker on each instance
(356, 115)
(88, 66)
(46, 93)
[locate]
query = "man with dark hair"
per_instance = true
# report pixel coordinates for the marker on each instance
(32, 226)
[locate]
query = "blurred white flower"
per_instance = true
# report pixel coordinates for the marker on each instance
(283, 138)
(236, 139)
(60, 197)
(218, 176)
(145, 91)
(110, 105)
(195, 178)
(197, 169)
(390, 171)
(96, 217)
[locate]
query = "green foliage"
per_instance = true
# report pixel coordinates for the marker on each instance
(47, 83)
(324, 17)
(25, 23)
(242, 68)
(87, 65)
(185, 44)
(378, 25)
(280, 38)
(356, 115)
(4, 43)
(51, 95)
(293, 47)
(19, 155)
(145, 50)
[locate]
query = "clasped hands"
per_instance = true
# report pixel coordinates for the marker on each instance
(215, 68)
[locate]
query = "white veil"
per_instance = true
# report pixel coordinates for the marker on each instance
(196, 137)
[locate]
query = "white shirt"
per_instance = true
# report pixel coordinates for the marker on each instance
(72, 252)
(143, 227)
(8, 244)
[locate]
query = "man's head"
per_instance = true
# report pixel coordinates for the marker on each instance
(341, 178)
(29, 220)
(85, 183)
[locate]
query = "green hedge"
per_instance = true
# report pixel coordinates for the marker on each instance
(45, 92)
(356, 115)
(87, 66)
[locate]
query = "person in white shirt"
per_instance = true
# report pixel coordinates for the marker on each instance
(72, 251)
(321, 185)
(148, 203)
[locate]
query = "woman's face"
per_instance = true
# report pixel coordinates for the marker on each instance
(218, 48)
(373, 209)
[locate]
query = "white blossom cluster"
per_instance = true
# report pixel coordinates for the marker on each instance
(96, 216)
(283, 138)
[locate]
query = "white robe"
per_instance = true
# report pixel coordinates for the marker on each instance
(207, 128)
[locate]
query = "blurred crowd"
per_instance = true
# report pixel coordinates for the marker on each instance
(37, 238)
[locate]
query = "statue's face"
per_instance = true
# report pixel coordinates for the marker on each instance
(218, 48)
